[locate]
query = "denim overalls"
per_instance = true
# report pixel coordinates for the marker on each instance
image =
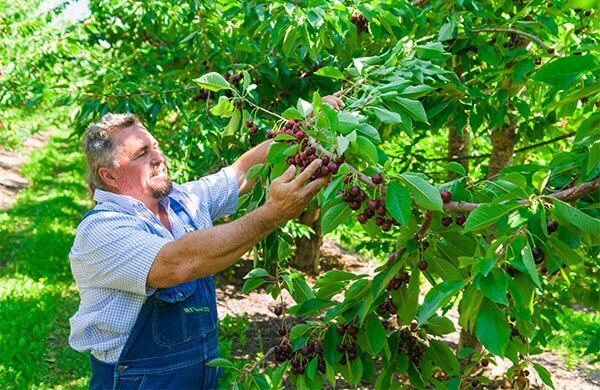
(174, 335)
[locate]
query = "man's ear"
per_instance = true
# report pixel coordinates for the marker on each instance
(107, 176)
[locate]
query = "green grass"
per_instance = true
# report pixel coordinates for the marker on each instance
(577, 332)
(37, 292)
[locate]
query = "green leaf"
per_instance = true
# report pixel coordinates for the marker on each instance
(577, 218)
(220, 362)
(398, 202)
(455, 167)
(544, 374)
(426, 195)
(469, 308)
(439, 326)
(407, 299)
(292, 113)
(370, 132)
(566, 70)
(366, 148)
(309, 307)
(376, 334)
(252, 284)
(386, 116)
(530, 264)
(445, 356)
(213, 82)
(331, 72)
(256, 273)
(234, 123)
(223, 108)
(255, 171)
(493, 286)
(335, 216)
(189, 37)
(437, 297)
(485, 215)
(416, 91)
(491, 328)
(414, 108)
(334, 276)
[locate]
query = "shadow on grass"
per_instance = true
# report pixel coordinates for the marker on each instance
(37, 293)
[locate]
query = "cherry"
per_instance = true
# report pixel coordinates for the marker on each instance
(354, 205)
(239, 104)
(424, 245)
(404, 277)
(278, 311)
(386, 226)
(341, 329)
(460, 219)
(249, 123)
(414, 326)
(446, 196)
(484, 362)
(475, 383)
(341, 347)
(295, 362)
(352, 330)
(377, 178)
(373, 204)
(283, 331)
(369, 213)
(538, 254)
(304, 351)
(253, 130)
(362, 218)
(552, 226)
(379, 221)
(382, 211)
(526, 372)
(343, 360)
(352, 355)
(333, 167)
(300, 369)
(354, 191)
(447, 221)
(423, 265)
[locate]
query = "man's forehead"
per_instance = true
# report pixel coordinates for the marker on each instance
(134, 136)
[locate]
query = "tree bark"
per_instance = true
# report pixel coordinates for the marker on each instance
(503, 143)
(458, 146)
(308, 250)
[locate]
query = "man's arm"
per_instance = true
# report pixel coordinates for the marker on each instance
(207, 251)
(256, 155)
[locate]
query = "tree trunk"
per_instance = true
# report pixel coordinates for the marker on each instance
(503, 143)
(458, 146)
(308, 250)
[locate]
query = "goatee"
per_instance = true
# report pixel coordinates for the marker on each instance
(164, 191)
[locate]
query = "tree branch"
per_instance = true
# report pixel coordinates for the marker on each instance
(531, 37)
(253, 367)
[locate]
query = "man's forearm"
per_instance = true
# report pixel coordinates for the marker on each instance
(208, 251)
(256, 155)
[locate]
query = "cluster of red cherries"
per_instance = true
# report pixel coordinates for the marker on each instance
(374, 207)
(300, 357)
(410, 344)
(307, 153)
(349, 332)
(361, 23)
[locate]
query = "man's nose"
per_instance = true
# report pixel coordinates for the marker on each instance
(158, 157)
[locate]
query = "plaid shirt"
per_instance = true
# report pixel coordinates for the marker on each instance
(115, 248)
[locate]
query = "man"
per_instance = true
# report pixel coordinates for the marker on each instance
(143, 258)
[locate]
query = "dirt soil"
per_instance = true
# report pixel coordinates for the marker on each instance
(11, 180)
(258, 305)
(264, 324)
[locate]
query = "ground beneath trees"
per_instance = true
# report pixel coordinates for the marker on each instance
(264, 324)
(11, 180)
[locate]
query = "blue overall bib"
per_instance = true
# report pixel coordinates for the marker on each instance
(174, 336)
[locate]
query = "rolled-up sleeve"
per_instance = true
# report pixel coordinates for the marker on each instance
(219, 191)
(114, 250)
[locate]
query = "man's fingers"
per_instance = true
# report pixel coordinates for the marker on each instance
(308, 172)
(314, 186)
(338, 93)
(287, 175)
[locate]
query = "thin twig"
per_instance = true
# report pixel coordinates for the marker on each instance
(253, 367)
(531, 37)
(418, 236)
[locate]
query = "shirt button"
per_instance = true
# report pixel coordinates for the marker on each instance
(121, 367)
(180, 294)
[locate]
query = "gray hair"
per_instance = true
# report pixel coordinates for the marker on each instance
(100, 147)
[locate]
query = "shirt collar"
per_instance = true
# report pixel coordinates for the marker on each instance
(125, 203)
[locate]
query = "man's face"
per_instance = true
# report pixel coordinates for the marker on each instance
(142, 171)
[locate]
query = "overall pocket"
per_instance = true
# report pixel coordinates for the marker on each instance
(182, 313)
